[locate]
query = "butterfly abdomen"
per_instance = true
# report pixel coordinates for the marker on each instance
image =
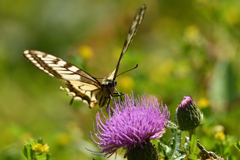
(105, 94)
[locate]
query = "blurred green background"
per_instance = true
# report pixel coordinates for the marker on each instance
(188, 47)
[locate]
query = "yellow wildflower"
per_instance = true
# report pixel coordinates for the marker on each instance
(126, 83)
(45, 148)
(231, 15)
(40, 148)
(220, 136)
(192, 34)
(203, 103)
(85, 52)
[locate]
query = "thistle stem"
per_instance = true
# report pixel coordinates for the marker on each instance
(191, 132)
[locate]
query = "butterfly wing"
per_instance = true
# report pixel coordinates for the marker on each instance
(80, 85)
(132, 32)
(109, 83)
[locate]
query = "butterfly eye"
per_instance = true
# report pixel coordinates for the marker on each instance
(112, 83)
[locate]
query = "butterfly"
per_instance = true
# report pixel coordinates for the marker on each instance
(79, 84)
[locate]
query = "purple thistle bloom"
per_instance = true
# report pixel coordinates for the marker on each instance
(130, 123)
(187, 100)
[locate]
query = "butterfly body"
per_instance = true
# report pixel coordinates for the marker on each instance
(79, 84)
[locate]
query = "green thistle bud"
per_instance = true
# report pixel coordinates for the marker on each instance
(188, 114)
(145, 151)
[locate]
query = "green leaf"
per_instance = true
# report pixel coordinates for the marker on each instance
(172, 150)
(222, 85)
(193, 145)
(237, 145)
(40, 140)
(33, 143)
(193, 150)
(48, 157)
(27, 151)
(43, 156)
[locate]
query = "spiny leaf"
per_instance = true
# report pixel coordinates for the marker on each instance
(171, 150)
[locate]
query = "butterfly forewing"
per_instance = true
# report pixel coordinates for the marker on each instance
(132, 32)
(80, 84)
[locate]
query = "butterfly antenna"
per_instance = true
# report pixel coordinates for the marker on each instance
(128, 70)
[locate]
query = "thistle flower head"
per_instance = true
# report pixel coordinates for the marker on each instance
(188, 114)
(131, 123)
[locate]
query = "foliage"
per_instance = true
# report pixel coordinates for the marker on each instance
(192, 149)
(182, 48)
(237, 145)
(36, 150)
(171, 150)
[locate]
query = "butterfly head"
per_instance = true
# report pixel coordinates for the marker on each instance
(109, 82)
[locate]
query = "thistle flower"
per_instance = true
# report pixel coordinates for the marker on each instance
(188, 114)
(131, 124)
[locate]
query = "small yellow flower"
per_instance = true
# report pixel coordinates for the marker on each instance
(231, 15)
(220, 136)
(85, 52)
(192, 34)
(203, 103)
(126, 83)
(45, 148)
(192, 31)
(40, 148)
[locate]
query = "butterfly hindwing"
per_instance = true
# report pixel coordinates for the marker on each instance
(80, 84)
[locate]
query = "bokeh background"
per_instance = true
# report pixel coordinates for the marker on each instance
(188, 47)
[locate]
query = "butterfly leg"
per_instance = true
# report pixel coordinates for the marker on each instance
(71, 100)
(108, 104)
(118, 95)
(110, 96)
(117, 91)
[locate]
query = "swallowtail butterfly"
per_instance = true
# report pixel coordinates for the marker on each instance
(81, 85)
